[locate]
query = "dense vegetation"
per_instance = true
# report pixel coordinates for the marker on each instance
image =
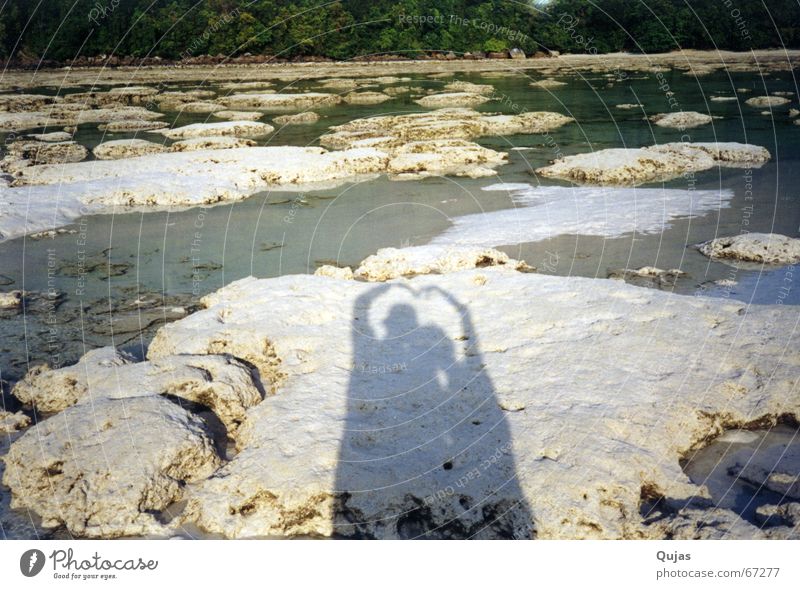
(343, 29)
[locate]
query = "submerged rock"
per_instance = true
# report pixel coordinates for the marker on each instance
(548, 83)
(620, 166)
(303, 118)
(763, 248)
(122, 148)
(54, 136)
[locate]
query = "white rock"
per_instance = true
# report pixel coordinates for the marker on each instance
(394, 392)
(766, 248)
(173, 179)
(122, 148)
(104, 470)
(682, 120)
(201, 107)
(238, 115)
(329, 271)
(456, 157)
(390, 263)
(303, 118)
(234, 128)
(457, 123)
(281, 102)
(451, 99)
(366, 98)
(461, 86)
(762, 101)
(620, 166)
(55, 136)
(11, 300)
(11, 422)
(222, 384)
(128, 126)
(201, 143)
(548, 83)
(724, 99)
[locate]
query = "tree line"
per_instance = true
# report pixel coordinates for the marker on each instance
(62, 30)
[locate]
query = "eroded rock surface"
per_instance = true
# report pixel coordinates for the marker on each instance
(628, 166)
(394, 392)
(122, 148)
(107, 469)
(765, 248)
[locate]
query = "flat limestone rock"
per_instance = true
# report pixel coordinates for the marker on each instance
(25, 102)
(238, 115)
(221, 142)
(173, 179)
(105, 470)
(303, 118)
(462, 86)
(439, 406)
(762, 101)
(129, 126)
(123, 148)
(455, 123)
(33, 153)
(201, 107)
(366, 98)
(389, 263)
(280, 102)
(764, 248)
(631, 166)
(234, 128)
(451, 99)
(682, 120)
(456, 157)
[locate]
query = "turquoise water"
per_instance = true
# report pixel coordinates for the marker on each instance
(171, 258)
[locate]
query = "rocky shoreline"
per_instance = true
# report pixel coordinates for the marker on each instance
(288, 423)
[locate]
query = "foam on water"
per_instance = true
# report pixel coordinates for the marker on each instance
(544, 212)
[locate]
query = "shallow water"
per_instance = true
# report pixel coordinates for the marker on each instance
(719, 465)
(122, 275)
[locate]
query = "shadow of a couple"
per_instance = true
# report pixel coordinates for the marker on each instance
(426, 451)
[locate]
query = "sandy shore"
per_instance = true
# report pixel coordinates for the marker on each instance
(698, 61)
